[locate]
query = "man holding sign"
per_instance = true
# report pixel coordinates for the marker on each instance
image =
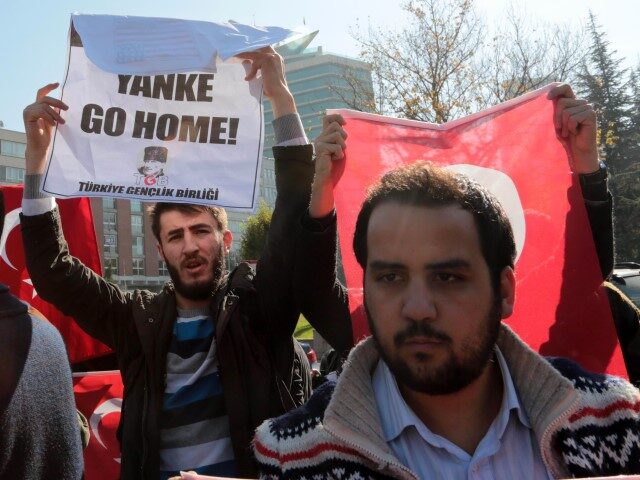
(211, 356)
(443, 388)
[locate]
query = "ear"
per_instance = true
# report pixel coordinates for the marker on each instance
(507, 291)
(227, 238)
(160, 251)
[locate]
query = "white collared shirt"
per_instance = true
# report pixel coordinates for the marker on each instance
(508, 450)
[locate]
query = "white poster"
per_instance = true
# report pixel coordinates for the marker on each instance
(193, 137)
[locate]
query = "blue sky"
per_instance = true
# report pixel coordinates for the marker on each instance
(33, 34)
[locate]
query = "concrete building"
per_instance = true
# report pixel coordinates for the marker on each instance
(12, 147)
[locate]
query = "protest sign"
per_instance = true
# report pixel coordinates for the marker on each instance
(193, 137)
(77, 224)
(560, 308)
(99, 397)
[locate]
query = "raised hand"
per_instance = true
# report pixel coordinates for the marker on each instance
(330, 162)
(39, 119)
(271, 66)
(575, 121)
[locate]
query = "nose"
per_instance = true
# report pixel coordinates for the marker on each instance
(190, 243)
(418, 302)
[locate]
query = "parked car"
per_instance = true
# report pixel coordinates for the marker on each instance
(626, 276)
(311, 355)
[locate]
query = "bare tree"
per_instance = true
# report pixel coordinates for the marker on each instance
(356, 91)
(526, 54)
(425, 69)
(447, 63)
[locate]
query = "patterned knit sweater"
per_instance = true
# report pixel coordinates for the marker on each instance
(586, 424)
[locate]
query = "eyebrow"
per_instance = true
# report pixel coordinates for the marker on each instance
(454, 263)
(192, 227)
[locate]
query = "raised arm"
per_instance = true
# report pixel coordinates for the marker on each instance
(58, 277)
(575, 120)
(322, 297)
(294, 173)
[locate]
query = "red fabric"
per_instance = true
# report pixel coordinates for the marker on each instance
(99, 398)
(560, 309)
(316, 450)
(77, 224)
(607, 411)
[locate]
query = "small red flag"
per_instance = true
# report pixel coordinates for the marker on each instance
(99, 398)
(560, 309)
(77, 224)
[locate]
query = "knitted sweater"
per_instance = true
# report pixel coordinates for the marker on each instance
(39, 434)
(586, 424)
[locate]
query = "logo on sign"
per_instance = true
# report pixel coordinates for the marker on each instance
(151, 168)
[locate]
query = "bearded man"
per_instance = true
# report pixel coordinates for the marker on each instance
(443, 388)
(212, 355)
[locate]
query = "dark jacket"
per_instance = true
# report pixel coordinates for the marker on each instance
(626, 317)
(255, 314)
(39, 432)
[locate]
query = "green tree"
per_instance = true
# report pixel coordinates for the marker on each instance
(627, 207)
(634, 117)
(607, 85)
(254, 237)
(603, 82)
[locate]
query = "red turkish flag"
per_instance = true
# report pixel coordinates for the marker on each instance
(560, 309)
(99, 398)
(77, 224)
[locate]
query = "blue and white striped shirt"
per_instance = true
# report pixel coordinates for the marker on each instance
(194, 426)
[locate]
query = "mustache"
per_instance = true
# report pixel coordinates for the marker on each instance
(420, 329)
(192, 257)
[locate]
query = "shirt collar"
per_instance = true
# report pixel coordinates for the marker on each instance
(396, 415)
(510, 400)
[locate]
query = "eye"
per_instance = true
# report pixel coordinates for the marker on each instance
(390, 277)
(446, 277)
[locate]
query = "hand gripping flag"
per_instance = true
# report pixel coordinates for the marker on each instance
(77, 224)
(99, 398)
(513, 149)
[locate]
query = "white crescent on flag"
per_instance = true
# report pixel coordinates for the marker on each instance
(11, 221)
(105, 408)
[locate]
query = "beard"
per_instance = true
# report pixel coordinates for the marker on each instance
(200, 290)
(457, 371)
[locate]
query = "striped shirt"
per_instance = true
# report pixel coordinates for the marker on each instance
(194, 427)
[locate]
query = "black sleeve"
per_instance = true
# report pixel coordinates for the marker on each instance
(275, 270)
(100, 308)
(322, 297)
(599, 205)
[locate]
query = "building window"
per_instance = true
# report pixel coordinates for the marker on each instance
(269, 194)
(138, 266)
(110, 267)
(136, 206)
(269, 175)
(235, 226)
(137, 246)
(108, 203)
(136, 224)
(12, 174)
(110, 243)
(109, 220)
(12, 149)
(163, 271)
